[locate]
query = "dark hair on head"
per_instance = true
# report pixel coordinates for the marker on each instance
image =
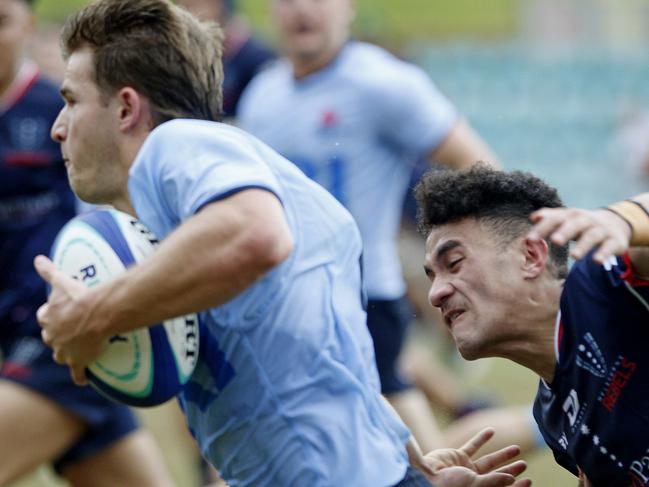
(156, 48)
(503, 200)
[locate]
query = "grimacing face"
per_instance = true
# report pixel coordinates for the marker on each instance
(86, 128)
(312, 29)
(473, 283)
(16, 24)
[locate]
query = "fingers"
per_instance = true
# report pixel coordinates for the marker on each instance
(515, 468)
(522, 483)
(546, 222)
(475, 443)
(601, 230)
(495, 479)
(488, 462)
(78, 374)
(45, 268)
(53, 276)
(558, 225)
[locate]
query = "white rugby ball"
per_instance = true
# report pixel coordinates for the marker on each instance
(145, 367)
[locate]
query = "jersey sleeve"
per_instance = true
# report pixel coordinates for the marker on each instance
(414, 115)
(629, 275)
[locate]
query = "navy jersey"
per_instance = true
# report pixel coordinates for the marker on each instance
(241, 62)
(595, 415)
(35, 199)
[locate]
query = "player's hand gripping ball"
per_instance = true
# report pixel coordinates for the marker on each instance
(145, 367)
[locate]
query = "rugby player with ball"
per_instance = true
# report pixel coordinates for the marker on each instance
(285, 391)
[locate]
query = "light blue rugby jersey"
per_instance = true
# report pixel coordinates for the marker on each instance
(286, 392)
(357, 127)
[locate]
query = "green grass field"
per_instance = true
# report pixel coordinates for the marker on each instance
(395, 22)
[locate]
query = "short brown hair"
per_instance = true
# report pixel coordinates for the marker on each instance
(156, 48)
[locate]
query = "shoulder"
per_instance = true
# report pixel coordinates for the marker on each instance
(195, 142)
(376, 66)
(187, 135)
(386, 82)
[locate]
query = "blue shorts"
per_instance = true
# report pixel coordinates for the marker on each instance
(28, 362)
(414, 478)
(388, 322)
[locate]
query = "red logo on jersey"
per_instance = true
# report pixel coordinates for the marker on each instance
(618, 382)
(329, 119)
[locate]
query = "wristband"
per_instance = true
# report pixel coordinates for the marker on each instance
(638, 219)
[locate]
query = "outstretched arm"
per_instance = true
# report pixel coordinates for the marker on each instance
(623, 226)
(462, 148)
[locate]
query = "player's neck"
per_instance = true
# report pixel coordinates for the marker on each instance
(16, 83)
(7, 81)
(532, 344)
(304, 66)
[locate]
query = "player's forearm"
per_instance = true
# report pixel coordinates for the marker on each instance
(462, 148)
(208, 260)
(638, 220)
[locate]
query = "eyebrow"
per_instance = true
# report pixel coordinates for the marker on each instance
(445, 248)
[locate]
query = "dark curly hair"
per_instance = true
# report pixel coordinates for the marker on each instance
(503, 200)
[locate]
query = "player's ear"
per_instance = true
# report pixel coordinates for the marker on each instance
(535, 256)
(132, 108)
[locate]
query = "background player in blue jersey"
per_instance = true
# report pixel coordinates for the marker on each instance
(243, 54)
(285, 392)
(44, 417)
(504, 289)
(356, 119)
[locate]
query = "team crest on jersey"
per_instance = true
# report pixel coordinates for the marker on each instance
(28, 133)
(590, 357)
(329, 121)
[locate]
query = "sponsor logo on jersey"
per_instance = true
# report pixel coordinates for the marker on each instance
(619, 377)
(574, 410)
(590, 357)
(639, 471)
(29, 133)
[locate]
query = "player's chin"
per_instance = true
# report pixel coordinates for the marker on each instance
(468, 348)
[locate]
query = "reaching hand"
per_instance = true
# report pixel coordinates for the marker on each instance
(454, 467)
(64, 321)
(601, 229)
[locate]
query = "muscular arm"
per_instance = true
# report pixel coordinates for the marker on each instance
(462, 148)
(206, 261)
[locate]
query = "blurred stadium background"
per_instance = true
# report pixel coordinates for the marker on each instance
(557, 87)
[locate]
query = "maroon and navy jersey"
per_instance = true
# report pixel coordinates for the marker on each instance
(35, 198)
(595, 414)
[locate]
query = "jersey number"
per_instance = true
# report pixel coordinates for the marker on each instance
(331, 175)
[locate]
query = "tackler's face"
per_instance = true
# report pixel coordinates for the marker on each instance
(311, 29)
(16, 24)
(86, 128)
(473, 283)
